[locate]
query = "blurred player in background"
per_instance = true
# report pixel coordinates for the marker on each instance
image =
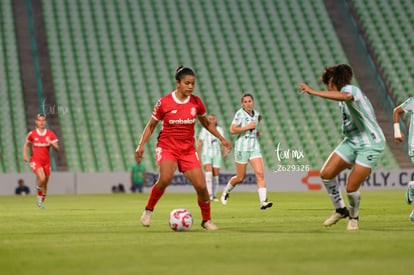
(41, 139)
(361, 148)
(179, 111)
(247, 150)
(209, 149)
(408, 107)
(138, 177)
(21, 188)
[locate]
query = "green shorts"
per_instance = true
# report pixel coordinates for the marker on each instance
(243, 157)
(213, 160)
(351, 153)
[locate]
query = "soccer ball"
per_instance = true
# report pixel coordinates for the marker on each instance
(180, 220)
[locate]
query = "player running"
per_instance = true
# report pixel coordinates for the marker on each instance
(175, 147)
(408, 107)
(41, 140)
(209, 148)
(361, 148)
(247, 149)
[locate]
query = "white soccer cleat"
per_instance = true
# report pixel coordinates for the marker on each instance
(335, 218)
(266, 204)
(409, 195)
(209, 225)
(224, 198)
(411, 217)
(213, 198)
(146, 218)
(352, 224)
(40, 204)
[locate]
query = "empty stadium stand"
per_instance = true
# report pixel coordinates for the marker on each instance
(13, 122)
(111, 61)
(389, 26)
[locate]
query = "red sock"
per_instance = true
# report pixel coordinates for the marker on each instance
(205, 210)
(39, 193)
(43, 198)
(154, 197)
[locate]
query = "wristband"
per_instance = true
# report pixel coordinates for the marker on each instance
(397, 130)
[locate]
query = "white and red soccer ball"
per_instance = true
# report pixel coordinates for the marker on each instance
(180, 220)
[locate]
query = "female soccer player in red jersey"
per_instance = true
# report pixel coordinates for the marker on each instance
(175, 147)
(41, 140)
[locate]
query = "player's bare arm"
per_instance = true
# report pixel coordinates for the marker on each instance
(224, 151)
(199, 147)
(54, 144)
(235, 129)
(334, 95)
(148, 130)
(25, 151)
(398, 136)
(212, 129)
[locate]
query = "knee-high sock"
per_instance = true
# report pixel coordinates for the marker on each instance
(209, 177)
(228, 187)
(334, 192)
(262, 193)
(354, 198)
(154, 197)
(205, 209)
(215, 185)
(39, 193)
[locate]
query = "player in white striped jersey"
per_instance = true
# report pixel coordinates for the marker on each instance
(363, 144)
(210, 150)
(408, 107)
(247, 149)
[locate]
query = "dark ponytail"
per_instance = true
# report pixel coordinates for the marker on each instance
(339, 75)
(182, 71)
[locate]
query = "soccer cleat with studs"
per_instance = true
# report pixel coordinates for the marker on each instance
(336, 216)
(213, 198)
(146, 218)
(224, 198)
(265, 204)
(352, 224)
(40, 204)
(208, 225)
(411, 217)
(409, 195)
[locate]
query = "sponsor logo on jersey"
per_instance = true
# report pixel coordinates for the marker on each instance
(193, 111)
(41, 144)
(157, 105)
(181, 121)
(173, 111)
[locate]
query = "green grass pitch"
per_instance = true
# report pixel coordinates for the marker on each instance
(101, 234)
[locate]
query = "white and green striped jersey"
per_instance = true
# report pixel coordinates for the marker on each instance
(246, 141)
(211, 144)
(408, 107)
(359, 122)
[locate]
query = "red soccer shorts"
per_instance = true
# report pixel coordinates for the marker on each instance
(36, 165)
(187, 161)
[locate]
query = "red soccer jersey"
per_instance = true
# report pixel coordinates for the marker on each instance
(40, 146)
(179, 119)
